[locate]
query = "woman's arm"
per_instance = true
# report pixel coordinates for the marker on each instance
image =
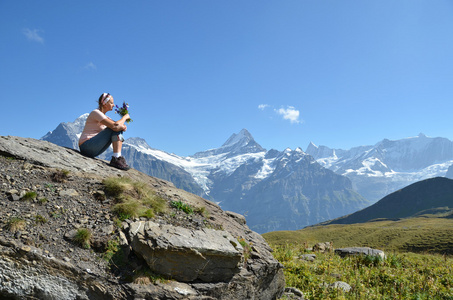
(118, 125)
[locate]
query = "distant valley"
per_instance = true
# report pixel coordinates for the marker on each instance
(417, 218)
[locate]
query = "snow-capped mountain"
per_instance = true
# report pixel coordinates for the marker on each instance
(241, 143)
(275, 190)
(379, 170)
(284, 191)
(67, 134)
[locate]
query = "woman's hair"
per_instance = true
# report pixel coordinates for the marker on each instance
(101, 98)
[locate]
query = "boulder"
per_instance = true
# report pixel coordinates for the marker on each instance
(308, 257)
(323, 247)
(186, 255)
(340, 285)
(292, 293)
(359, 251)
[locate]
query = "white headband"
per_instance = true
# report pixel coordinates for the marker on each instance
(106, 99)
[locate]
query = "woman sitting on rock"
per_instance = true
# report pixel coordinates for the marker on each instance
(100, 132)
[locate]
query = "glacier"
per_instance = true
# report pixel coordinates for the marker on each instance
(389, 165)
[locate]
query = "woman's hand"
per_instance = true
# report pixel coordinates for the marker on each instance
(115, 126)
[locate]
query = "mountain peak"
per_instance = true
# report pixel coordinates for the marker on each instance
(239, 143)
(67, 133)
(243, 137)
(82, 119)
(138, 142)
(312, 149)
(312, 145)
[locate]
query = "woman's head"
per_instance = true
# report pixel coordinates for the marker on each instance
(105, 102)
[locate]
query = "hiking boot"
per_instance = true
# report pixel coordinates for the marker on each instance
(119, 163)
(123, 160)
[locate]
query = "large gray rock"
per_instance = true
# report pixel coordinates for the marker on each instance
(359, 251)
(186, 255)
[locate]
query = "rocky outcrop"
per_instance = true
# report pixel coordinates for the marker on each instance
(187, 255)
(217, 257)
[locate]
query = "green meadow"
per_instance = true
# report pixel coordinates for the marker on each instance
(418, 263)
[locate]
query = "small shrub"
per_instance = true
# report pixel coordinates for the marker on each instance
(111, 249)
(58, 213)
(148, 213)
(118, 222)
(127, 210)
(394, 261)
(145, 276)
(155, 202)
(368, 260)
(134, 199)
(182, 207)
(40, 220)
(50, 187)
(43, 201)
(284, 253)
(114, 255)
(29, 196)
(117, 186)
(83, 237)
(247, 249)
(15, 224)
(60, 176)
(202, 211)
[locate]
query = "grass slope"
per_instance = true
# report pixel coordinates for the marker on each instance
(420, 234)
(408, 276)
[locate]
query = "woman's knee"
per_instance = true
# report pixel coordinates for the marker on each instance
(117, 137)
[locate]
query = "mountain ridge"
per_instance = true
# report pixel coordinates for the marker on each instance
(388, 165)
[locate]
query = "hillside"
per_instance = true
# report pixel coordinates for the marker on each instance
(74, 228)
(420, 234)
(410, 201)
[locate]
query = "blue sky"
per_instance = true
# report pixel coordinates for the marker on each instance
(337, 73)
